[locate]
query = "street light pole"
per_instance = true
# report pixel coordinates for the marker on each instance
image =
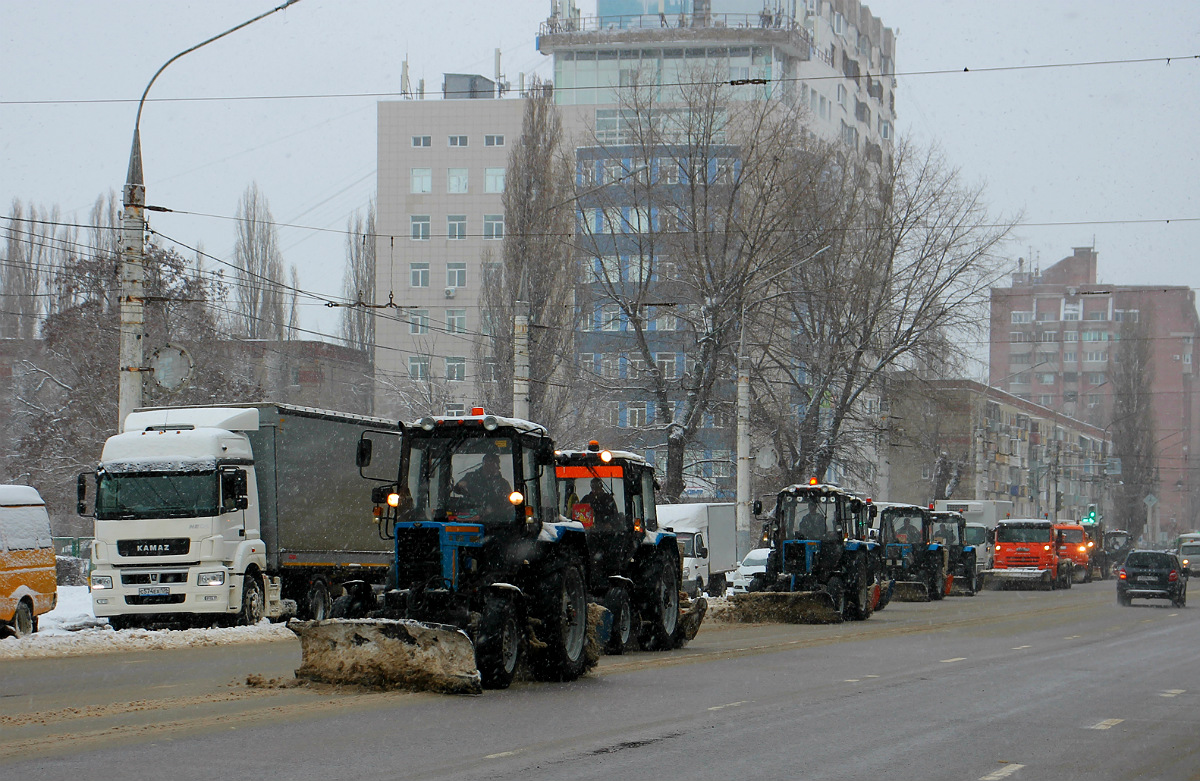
(131, 292)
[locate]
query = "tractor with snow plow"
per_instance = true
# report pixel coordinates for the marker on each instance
(633, 565)
(487, 576)
(950, 530)
(821, 568)
(918, 564)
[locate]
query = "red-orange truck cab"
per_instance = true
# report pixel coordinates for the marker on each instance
(1074, 546)
(1026, 551)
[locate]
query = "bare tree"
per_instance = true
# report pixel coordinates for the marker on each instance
(896, 256)
(681, 227)
(358, 322)
(1132, 377)
(535, 268)
(36, 246)
(259, 276)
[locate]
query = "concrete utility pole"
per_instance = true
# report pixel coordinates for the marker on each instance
(131, 292)
(521, 361)
(743, 433)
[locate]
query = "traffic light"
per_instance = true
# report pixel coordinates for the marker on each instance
(1091, 514)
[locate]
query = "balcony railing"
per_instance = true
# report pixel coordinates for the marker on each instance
(632, 22)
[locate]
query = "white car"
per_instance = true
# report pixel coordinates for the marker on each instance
(755, 561)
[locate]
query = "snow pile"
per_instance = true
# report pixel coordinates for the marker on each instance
(71, 629)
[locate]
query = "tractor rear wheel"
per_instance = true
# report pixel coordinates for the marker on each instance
(660, 610)
(621, 635)
(860, 607)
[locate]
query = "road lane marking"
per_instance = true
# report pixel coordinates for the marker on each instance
(729, 705)
(955, 659)
(1022, 647)
(850, 680)
(1003, 772)
(870, 676)
(1073, 637)
(501, 755)
(1106, 724)
(1171, 692)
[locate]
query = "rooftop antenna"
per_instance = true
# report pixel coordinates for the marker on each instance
(405, 86)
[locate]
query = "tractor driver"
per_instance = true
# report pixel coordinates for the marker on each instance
(812, 525)
(486, 489)
(604, 509)
(906, 532)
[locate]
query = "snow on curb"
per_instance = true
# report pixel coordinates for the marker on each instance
(72, 630)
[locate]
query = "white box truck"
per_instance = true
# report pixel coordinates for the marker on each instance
(707, 535)
(230, 513)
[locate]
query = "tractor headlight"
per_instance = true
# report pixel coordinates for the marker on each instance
(515, 498)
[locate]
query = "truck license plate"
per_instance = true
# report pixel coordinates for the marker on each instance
(154, 591)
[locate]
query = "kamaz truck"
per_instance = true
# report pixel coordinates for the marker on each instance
(821, 566)
(229, 513)
(1026, 552)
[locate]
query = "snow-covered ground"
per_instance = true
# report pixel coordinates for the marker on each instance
(71, 629)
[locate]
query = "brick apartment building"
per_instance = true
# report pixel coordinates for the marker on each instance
(1055, 338)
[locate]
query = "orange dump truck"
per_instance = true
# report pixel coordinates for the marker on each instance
(1075, 547)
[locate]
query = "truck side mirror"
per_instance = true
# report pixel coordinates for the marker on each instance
(702, 552)
(379, 494)
(362, 454)
(81, 494)
(757, 506)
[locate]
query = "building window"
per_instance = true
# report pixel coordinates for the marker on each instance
(456, 180)
(456, 227)
(493, 180)
(636, 414)
(457, 140)
(666, 365)
(418, 367)
(454, 410)
(456, 321)
(419, 274)
(609, 366)
(1049, 336)
(422, 180)
(421, 140)
(610, 317)
(1045, 399)
(418, 321)
(487, 370)
(1070, 336)
(1070, 397)
(1016, 336)
(1093, 336)
(1095, 378)
(1094, 356)
(841, 94)
(493, 140)
(587, 362)
(493, 226)
(420, 227)
(1022, 317)
(1046, 378)
(668, 170)
(612, 414)
(1125, 315)
(1097, 315)
(456, 275)
(456, 369)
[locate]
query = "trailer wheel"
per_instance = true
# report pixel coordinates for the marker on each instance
(318, 602)
(563, 614)
(254, 605)
(498, 643)
(621, 636)
(660, 612)
(23, 623)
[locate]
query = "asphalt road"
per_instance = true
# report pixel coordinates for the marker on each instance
(1020, 685)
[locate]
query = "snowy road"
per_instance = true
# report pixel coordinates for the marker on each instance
(1028, 685)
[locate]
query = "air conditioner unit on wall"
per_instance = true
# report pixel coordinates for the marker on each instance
(450, 292)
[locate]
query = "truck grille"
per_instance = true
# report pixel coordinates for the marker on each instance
(172, 546)
(146, 578)
(418, 556)
(1022, 560)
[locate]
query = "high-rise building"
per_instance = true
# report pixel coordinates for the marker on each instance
(1058, 339)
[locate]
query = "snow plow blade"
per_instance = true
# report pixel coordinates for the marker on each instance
(785, 607)
(387, 654)
(690, 618)
(960, 586)
(910, 591)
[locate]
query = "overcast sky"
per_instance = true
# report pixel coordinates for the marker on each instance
(1102, 144)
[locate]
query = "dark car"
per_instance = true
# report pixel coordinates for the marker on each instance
(1151, 574)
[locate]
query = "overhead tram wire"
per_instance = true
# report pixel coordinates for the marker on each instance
(1166, 60)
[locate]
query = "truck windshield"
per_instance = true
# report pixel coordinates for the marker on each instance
(1072, 535)
(687, 541)
(1190, 549)
(467, 478)
(157, 495)
(975, 535)
(1022, 534)
(946, 532)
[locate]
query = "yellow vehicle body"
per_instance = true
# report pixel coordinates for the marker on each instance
(28, 582)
